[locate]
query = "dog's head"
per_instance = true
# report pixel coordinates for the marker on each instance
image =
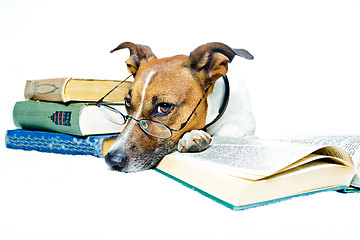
(165, 91)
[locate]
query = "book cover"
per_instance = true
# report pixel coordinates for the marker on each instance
(80, 119)
(60, 143)
(74, 89)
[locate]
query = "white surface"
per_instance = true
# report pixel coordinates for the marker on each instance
(304, 80)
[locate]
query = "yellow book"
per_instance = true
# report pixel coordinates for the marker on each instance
(74, 89)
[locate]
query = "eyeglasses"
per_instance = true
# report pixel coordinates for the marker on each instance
(150, 127)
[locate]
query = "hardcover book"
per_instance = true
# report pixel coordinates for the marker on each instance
(79, 119)
(74, 89)
(247, 172)
(50, 142)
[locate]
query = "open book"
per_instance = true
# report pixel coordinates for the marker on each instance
(248, 172)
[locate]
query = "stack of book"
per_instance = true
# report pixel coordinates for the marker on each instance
(59, 115)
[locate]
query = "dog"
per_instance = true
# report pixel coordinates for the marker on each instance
(172, 99)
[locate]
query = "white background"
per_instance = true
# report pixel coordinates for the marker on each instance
(303, 81)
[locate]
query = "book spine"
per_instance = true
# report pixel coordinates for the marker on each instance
(46, 90)
(56, 142)
(48, 116)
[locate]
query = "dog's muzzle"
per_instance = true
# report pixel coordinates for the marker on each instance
(116, 161)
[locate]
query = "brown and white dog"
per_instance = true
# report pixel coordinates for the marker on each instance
(167, 90)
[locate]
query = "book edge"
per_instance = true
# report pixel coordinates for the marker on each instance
(62, 91)
(253, 205)
(78, 99)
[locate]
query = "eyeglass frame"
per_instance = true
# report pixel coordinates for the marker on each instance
(100, 103)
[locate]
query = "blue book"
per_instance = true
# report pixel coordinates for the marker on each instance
(242, 173)
(96, 145)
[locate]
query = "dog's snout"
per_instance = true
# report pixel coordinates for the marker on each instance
(116, 161)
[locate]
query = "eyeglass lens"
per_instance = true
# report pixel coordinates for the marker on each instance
(113, 115)
(150, 127)
(155, 129)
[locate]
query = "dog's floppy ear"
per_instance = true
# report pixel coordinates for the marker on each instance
(138, 53)
(210, 61)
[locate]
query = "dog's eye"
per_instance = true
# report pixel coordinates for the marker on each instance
(164, 108)
(127, 103)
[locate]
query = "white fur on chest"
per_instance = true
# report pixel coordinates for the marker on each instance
(238, 119)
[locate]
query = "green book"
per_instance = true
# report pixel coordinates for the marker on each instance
(80, 119)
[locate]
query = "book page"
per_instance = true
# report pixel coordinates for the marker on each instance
(350, 143)
(252, 156)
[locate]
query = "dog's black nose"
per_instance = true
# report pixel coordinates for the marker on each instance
(116, 161)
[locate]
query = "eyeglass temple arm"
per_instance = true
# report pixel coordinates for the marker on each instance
(192, 113)
(101, 99)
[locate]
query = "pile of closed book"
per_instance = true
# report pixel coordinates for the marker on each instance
(60, 115)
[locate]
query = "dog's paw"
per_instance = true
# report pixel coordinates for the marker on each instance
(194, 141)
